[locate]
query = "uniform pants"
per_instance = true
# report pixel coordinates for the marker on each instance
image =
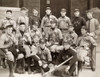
(72, 62)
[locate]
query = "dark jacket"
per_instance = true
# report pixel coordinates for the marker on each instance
(34, 20)
(78, 22)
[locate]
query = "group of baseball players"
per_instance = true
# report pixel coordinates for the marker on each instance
(36, 45)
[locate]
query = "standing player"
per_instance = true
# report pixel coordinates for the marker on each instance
(78, 22)
(64, 22)
(47, 20)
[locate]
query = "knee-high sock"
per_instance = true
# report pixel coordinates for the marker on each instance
(11, 66)
(28, 60)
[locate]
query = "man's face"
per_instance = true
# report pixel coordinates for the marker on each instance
(9, 15)
(77, 14)
(35, 12)
(53, 26)
(9, 30)
(24, 12)
(89, 15)
(36, 43)
(35, 28)
(22, 27)
(83, 31)
(63, 14)
(42, 46)
(48, 12)
(66, 46)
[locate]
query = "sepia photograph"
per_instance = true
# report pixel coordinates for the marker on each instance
(49, 38)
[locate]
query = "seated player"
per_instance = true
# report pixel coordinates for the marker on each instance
(84, 44)
(6, 41)
(21, 49)
(55, 40)
(66, 70)
(25, 43)
(44, 55)
(36, 60)
(35, 33)
(69, 43)
(71, 37)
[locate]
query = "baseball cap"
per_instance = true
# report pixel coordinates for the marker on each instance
(42, 41)
(89, 11)
(24, 8)
(76, 10)
(48, 8)
(63, 10)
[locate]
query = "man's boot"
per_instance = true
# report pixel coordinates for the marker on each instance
(23, 66)
(11, 71)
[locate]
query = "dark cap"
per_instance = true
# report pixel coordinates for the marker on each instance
(9, 11)
(89, 11)
(35, 9)
(24, 8)
(22, 23)
(63, 10)
(9, 26)
(76, 10)
(84, 27)
(42, 41)
(48, 8)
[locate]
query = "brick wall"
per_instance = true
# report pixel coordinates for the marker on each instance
(9, 3)
(82, 5)
(30, 4)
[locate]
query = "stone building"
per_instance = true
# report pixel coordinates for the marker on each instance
(55, 5)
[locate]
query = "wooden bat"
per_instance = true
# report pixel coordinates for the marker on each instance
(57, 66)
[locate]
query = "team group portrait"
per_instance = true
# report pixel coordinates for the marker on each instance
(49, 38)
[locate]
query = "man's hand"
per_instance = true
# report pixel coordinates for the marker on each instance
(17, 50)
(24, 39)
(45, 65)
(67, 69)
(67, 46)
(48, 44)
(20, 56)
(40, 63)
(92, 34)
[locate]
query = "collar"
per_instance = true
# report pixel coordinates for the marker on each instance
(71, 32)
(22, 32)
(48, 15)
(63, 16)
(8, 18)
(91, 18)
(43, 49)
